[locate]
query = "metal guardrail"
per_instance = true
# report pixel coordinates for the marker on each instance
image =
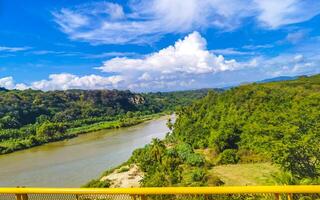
(241, 192)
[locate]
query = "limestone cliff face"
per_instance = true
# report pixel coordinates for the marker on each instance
(137, 99)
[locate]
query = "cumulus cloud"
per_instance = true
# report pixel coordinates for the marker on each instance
(66, 81)
(8, 83)
(187, 56)
(185, 59)
(145, 21)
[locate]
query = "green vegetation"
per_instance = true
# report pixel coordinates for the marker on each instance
(277, 123)
(228, 156)
(30, 118)
(167, 165)
(97, 184)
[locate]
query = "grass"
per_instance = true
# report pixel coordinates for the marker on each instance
(245, 174)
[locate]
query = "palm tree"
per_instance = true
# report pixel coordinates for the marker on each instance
(157, 149)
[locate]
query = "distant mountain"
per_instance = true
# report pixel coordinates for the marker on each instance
(274, 79)
(278, 78)
(3, 89)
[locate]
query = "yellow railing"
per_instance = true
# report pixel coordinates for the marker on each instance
(269, 192)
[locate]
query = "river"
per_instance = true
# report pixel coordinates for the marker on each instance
(73, 162)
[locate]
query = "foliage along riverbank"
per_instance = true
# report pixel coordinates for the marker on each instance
(30, 118)
(52, 132)
(276, 123)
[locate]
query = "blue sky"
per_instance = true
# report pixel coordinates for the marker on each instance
(155, 45)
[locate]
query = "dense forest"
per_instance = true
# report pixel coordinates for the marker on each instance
(276, 122)
(29, 118)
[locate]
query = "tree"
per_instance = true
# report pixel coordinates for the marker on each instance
(157, 149)
(42, 118)
(301, 158)
(49, 130)
(9, 121)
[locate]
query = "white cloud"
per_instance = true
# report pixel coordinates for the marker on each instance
(7, 82)
(178, 63)
(260, 46)
(13, 49)
(296, 37)
(145, 21)
(231, 51)
(55, 53)
(187, 56)
(66, 81)
(298, 58)
(110, 54)
(288, 64)
(275, 13)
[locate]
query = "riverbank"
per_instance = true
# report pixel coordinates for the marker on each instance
(114, 124)
(13, 145)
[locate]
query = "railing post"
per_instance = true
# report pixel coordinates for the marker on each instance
(277, 195)
(289, 196)
(133, 197)
(18, 196)
(21, 197)
(143, 197)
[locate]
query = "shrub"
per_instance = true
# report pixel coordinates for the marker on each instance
(198, 175)
(96, 183)
(184, 150)
(195, 159)
(124, 169)
(228, 156)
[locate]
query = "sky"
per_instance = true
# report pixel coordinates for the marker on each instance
(155, 45)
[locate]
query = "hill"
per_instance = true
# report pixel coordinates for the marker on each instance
(276, 122)
(278, 78)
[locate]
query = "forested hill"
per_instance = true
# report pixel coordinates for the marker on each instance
(19, 108)
(276, 122)
(30, 117)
